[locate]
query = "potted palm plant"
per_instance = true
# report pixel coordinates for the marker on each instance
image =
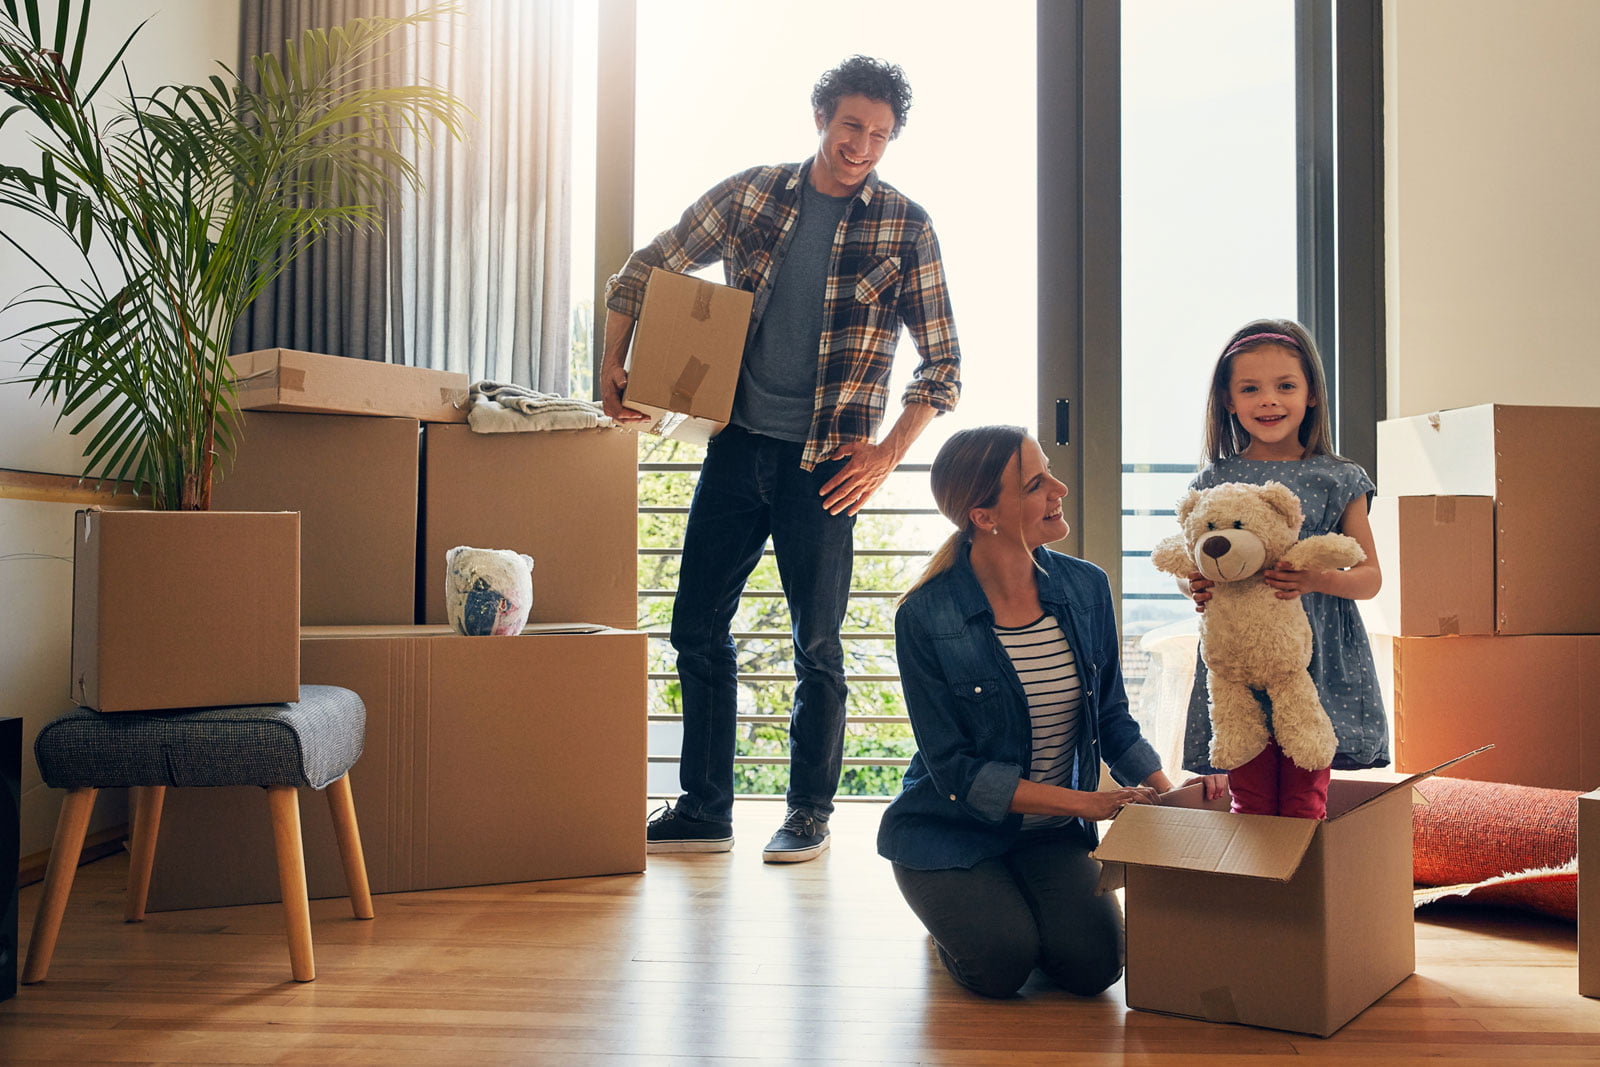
(183, 204)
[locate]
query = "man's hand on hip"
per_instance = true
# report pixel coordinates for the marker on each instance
(869, 464)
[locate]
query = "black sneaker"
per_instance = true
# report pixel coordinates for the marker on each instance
(801, 837)
(670, 830)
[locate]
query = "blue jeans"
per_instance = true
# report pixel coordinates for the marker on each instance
(1034, 906)
(752, 487)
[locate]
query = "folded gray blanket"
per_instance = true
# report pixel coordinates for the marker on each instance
(500, 407)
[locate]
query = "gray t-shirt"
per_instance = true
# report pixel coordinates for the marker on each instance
(778, 380)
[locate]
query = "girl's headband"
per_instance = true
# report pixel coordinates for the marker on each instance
(1260, 338)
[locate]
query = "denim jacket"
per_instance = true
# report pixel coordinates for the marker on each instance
(970, 715)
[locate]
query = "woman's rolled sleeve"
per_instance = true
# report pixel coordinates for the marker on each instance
(1136, 764)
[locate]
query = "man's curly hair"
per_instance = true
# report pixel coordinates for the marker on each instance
(864, 76)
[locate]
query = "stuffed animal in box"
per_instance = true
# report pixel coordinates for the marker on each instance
(1249, 638)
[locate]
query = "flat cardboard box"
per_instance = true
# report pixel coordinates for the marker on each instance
(282, 379)
(354, 482)
(185, 609)
(1536, 698)
(568, 498)
(1589, 894)
(1546, 514)
(1292, 924)
(688, 345)
(1437, 557)
(487, 760)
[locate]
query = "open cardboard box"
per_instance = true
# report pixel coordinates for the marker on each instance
(1292, 924)
(683, 367)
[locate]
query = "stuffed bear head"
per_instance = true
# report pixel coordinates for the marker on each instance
(1234, 530)
(488, 591)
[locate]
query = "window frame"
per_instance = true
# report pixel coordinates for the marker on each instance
(1339, 131)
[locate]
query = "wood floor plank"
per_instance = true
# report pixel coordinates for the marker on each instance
(704, 959)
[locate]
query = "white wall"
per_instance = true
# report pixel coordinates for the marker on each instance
(1492, 115)
(181, 44)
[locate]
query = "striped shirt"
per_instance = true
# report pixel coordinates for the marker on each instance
(885, 271)
(1049, 675)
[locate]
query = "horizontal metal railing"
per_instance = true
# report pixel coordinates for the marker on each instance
(777, 678)
(762, 678)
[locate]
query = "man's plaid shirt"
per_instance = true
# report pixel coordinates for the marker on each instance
(886, 271)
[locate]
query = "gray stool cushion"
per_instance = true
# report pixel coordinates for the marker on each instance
(311, 742)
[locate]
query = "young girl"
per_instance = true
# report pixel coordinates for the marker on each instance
(1266, 421)
(1010, 663)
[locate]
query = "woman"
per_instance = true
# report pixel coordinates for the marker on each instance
(1010, 664)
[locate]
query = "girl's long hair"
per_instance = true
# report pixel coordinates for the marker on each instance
(967, 474)
(1225, 435)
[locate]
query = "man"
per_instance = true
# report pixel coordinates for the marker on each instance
(837, 261)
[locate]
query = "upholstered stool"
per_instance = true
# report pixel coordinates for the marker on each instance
(312, 742)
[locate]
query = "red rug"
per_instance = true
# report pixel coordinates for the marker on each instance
(1509, 845)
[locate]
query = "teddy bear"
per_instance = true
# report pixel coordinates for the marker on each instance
(487, 591)
(1249, 638)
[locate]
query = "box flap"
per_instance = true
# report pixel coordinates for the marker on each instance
(1413, 780)
(1217, 842)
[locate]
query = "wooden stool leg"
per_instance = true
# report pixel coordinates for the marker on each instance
(285, 803)
(72, 824)
(343, 807)
(147, 802)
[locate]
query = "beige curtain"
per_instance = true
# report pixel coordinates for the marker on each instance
(473, 272)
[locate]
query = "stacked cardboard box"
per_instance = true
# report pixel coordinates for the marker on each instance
(353, 479)
(1486, 523)
(487, 759)
(1589, 894)
(484, 757)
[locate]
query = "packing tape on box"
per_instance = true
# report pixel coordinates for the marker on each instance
(1218, 1005)
(688, 383)
(456, 398)
(701, 311)
(1444, 510)
(1449, 625)
(667, 423)
(283, 379)
(1113, 876)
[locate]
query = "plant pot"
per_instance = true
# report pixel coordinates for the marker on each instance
(182, 609)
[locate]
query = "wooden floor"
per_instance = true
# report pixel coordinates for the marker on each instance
(703, 958)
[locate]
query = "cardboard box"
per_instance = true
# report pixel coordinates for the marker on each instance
(1538, 463)
(354, 482)
(184, 609)
(1292, 924)
(1535, 698)
(487, 759)
(1437, 557)
(281, 379)
(1589, 894)
(688, 345)
(568, 498)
